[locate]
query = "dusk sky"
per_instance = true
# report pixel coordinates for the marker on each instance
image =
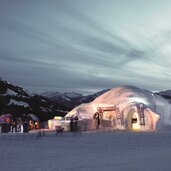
(85, 45)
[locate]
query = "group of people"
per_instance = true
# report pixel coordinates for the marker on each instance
(74, 123)
(15, 124)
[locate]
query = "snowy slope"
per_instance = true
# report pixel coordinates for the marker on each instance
(10, 92)
(166, 94)
(17, 101)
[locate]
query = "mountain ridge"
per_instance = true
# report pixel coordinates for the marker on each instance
(16, 100)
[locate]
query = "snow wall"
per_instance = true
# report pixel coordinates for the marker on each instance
(156, 110)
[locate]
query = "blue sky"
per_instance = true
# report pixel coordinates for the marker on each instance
(85, 45)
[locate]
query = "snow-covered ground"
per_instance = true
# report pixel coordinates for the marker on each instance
(95, 151)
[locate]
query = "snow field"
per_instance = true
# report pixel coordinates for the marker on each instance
(118, 151)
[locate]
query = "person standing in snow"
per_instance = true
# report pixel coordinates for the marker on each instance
(72, 124)
(76, 123)
(14, 125)
(97, 117)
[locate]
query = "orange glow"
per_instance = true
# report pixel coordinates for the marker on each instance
(136, 126)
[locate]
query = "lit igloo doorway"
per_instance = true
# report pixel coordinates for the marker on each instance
(139, 117)
(133, 120)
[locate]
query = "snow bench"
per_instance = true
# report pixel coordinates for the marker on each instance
(59, 129)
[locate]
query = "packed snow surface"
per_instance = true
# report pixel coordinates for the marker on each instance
(95, 151)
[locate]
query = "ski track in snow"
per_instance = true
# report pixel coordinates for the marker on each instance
(96, 151)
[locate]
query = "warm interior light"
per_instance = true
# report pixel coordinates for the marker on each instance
(58, 117)
(135, 121)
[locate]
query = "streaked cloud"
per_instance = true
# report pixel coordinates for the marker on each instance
(85, 45)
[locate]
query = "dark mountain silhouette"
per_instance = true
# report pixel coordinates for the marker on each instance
(166, 94)
(17, 101)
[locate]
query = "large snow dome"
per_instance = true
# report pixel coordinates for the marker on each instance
(124, 107)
